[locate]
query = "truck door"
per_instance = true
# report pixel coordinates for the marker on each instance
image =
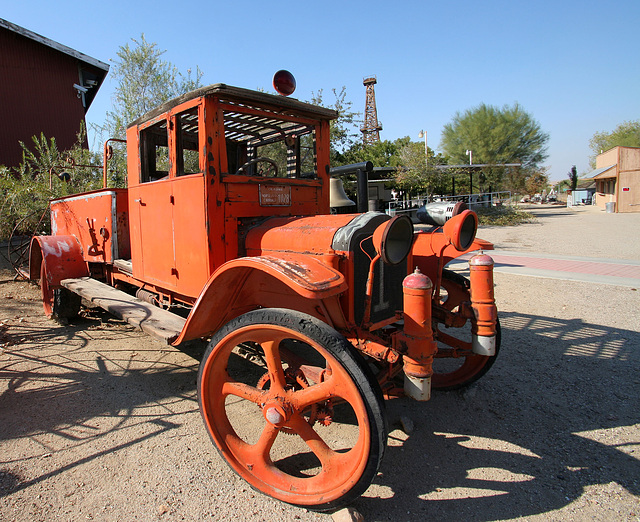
(169, 240)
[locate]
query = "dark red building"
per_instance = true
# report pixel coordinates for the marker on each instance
(44, 87)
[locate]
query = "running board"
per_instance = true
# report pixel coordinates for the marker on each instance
(158, 323)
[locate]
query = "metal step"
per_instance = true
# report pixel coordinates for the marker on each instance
(161, 324)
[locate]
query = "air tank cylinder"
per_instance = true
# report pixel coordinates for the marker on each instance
(483, 304)
(416, 340)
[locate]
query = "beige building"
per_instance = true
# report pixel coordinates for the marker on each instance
(617, 178)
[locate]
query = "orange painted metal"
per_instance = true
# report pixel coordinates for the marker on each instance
(416, 339)
(283, 408)
(433, 250)
(483, 301)
(184, 227)
(247, 283)
(62, 256)
(52, 259)
(202, 226)
(312, 235)
(98, 219)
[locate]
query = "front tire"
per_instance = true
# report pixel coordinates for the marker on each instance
(292, 408)
(455, 365)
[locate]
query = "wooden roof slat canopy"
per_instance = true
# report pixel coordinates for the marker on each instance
(252, 102)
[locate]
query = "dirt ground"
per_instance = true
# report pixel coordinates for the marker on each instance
(98, 421)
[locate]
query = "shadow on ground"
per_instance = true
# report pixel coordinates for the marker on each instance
(526, 421)
(516, 438)
(53, 386)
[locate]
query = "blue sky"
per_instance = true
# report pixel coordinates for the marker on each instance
(574, 66)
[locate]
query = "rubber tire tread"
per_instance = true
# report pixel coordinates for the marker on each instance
(66, 304)
(338, 346)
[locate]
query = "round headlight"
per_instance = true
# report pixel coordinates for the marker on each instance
(393, 239)
(461, 229)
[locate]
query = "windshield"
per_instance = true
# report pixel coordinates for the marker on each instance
(265, 145)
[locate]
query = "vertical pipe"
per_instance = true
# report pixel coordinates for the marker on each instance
(363, 190)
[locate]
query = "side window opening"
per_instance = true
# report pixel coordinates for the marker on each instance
(188, 157)
(154, 152)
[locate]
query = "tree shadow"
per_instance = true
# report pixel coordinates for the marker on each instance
(53, 388)
(526, 439)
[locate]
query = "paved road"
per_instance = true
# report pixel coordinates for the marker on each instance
(591, 270)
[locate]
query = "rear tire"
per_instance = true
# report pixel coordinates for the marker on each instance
(58, 303)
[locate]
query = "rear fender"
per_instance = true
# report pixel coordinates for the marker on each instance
(295, 281)
(62, 257)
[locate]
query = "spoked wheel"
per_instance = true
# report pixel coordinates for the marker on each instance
(455, 365)
(58, 303)
(19, 243)
(292, 408)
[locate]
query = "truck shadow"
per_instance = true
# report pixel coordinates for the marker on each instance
(528, 437)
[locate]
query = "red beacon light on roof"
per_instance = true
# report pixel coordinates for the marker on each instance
(284, 82)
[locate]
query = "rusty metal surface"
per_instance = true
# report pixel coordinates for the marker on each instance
(62, 256)
(98, 219)
(304, 276)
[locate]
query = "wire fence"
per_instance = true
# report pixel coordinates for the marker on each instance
(473, 201)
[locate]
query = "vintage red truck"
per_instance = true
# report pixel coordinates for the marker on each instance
(312, 318)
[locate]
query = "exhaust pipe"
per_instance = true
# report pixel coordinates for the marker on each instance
(438, 213)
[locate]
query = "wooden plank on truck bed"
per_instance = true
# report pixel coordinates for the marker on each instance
(161, 324)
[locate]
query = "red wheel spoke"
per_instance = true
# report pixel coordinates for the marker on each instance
(332, 462)
(319, 447)
(316, 393)
(254, 455)
(274, 364)
(244, 391)
(262, 448)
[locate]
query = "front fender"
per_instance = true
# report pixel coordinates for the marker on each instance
(61, 255)
(294, 281)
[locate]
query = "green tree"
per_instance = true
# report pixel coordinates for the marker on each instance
(45, 173)
(343, 130)
(384, 153)
(415, 173)
(144, 81)
(495, 136)
(627, 134)
(573, 177)
(536, 182)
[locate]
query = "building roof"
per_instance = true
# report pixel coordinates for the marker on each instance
(585, 184)
(601, 172)
(54, 45)
(92, 71)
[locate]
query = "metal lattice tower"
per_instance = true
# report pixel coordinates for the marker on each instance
(372, 127)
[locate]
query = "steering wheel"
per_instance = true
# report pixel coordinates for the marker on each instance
(258, 160)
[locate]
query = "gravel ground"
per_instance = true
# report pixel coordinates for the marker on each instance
(98, 421)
